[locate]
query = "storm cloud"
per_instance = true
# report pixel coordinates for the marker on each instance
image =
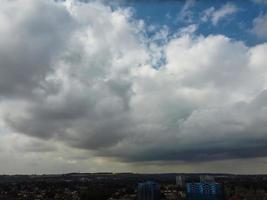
(84, 75)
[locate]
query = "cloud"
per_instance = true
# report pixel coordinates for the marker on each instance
(26, 155)
(260, 26)
(186, 121)
(20, 143)
(28, 44)
(217, 15)
(185, 13)
(89, 83)
(260, 1)
(189, 29)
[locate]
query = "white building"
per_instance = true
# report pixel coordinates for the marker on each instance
(180, 181)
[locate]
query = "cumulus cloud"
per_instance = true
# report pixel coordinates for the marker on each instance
(194, 122)
(30, 41)
(260, 26)
(217, 15)
(83, 75)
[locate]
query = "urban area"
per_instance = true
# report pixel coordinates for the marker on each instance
(130, 186)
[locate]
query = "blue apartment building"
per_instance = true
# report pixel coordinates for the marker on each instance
(204, 191)
(148, 191)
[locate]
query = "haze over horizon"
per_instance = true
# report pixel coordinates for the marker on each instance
(140, 86)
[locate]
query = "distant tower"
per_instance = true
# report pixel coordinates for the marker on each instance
(148, 191)
(180, 181)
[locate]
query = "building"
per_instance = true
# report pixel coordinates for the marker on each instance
(207, 178)
(204, 191)
(148, 191)
(180, 181)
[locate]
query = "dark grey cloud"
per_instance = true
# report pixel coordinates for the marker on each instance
(250, 149)
(30, 41)
(238, 131)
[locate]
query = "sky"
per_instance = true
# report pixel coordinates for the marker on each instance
(133, 86)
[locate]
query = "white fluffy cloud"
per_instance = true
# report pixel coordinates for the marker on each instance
(260, 26)
(81, 76)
